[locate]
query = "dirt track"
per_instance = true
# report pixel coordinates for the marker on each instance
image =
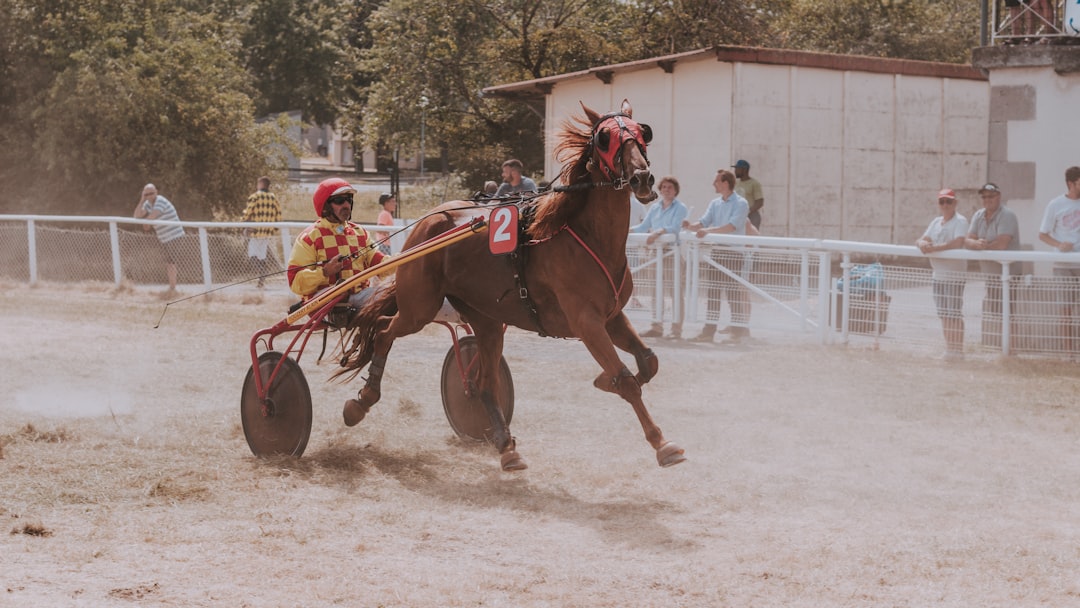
(816, 477)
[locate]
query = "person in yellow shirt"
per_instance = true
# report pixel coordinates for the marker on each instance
(262, 206)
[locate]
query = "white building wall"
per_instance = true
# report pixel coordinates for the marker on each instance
(840, 153)
(1049, 140)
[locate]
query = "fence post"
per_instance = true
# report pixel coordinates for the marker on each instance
(825, 315)
(694, 283)
(1006, 309)
(31, 246)
(286, 244)
(804, 287)
(676, 283)
(114, 245)
(658, 285)
(845, 309)
(204, 254)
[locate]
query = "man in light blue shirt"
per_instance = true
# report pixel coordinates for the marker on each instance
(726, 215)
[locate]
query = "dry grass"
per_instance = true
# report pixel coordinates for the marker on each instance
(817, 477)
(414, 201)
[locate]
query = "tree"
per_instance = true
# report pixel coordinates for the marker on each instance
(301, 56)
(675, 26)
(121, 93)
(930, 30)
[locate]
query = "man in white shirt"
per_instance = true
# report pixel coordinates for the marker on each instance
(948, 231)
(1060, 229)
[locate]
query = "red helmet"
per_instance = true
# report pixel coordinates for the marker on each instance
(328, 188)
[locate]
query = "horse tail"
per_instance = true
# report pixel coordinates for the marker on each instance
(363, 328)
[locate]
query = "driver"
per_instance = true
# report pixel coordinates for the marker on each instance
(333, 248)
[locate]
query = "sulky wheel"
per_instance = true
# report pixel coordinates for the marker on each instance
(282, 425)
(466, 412)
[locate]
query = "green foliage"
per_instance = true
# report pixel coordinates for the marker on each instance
(300, 55)
(98, 98)
(119, 94)
(930, 30)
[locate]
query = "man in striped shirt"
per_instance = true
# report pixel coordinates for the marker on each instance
(262, 206)
(153, 206)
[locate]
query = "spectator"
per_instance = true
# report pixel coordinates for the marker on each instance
(262, 206)
(153, 206)
(513, 181)
(993, 228)
(750, 189)
(726, 214)
(947, 231)
(1060, 229)
(666, 217)
(388, 202)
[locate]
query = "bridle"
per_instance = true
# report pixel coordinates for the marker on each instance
(609, 149)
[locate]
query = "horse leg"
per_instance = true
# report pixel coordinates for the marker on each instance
(616, 378)
(626, 338)
(489, 340)
(356, 409)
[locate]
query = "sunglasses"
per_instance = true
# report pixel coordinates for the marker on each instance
(947, 201)
(340, 199)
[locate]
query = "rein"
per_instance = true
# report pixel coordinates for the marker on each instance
(618, 184)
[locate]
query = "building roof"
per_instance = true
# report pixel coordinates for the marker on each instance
(529, 90)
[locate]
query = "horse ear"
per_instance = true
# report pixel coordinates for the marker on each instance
(626, 109)
(592, 116)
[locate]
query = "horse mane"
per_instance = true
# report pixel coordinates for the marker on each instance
(556, 209)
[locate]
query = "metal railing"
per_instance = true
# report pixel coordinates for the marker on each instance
(795, 287)
(805, 287)
(1031, 21)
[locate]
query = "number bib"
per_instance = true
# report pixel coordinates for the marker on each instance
(503, 230)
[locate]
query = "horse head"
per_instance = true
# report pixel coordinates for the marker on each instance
(618, 146)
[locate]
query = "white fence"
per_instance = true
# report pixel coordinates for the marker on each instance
(791, 283)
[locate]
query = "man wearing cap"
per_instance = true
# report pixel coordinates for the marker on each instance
(750, 189)
(333, 248)
(993, 228)
(1060, 229)
(947, 231)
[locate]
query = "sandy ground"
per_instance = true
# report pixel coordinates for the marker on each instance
(816, 476)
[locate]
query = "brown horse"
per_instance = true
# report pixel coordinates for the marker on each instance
(570, 280)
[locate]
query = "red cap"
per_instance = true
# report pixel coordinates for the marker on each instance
(328, 188)
(947, 193)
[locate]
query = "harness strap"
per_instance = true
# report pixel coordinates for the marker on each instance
(599, 262)
(517, 264)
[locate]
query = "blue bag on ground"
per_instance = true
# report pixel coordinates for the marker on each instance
(868, 311)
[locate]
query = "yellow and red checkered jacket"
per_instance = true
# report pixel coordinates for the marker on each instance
(325, 240)
(262, 207)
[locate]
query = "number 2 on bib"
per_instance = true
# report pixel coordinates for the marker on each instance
(503, 233)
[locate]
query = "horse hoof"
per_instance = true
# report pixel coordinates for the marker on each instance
(669, 454)
(354, 412)
(511, 461)
(604, 383)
